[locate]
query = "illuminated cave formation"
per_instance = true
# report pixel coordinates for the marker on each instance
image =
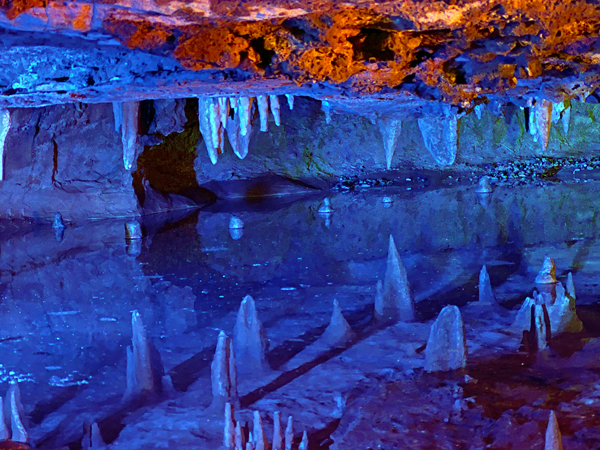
(411, 163)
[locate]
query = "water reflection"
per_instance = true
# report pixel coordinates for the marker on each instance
(66, 303)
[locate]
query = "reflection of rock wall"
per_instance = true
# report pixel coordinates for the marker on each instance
(66, 159)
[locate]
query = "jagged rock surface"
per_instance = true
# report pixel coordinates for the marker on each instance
(447, 345)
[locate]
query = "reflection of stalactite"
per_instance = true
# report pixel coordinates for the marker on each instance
(4, 127)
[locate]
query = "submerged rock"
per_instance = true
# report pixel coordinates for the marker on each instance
(249, 340)
(484, 186)
(553, 436)
(447, 345)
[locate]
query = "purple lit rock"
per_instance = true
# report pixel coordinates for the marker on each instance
(447, 345)
(553, 436)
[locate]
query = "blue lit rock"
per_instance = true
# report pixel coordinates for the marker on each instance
(553, 439)
(250, 342)
(447, 345)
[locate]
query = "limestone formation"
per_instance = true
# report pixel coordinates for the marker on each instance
(211, 128)
(240, 441)
(239, 129)
(479, 110)
(275, 109)
(440, 135)
(129, 132)
(447, 345)
(390, 133)
(4, 127)
(133, 230)
(235, 223)
(326, 107)
(397, 300)
(543, 113)
(553, 436)
(229, 428)
(486, 294)
(277, 432)
(338, 332)
(92, 439)
(290, 100)
(484, 186)
(144, 371)
(263, 111)
(325, 208)
(523, 318)
(249, 340)
(289, 434)
(563, 314)
(380, 307)
(540, 326)
(14, 415)
(547, 273)
(4, 429)
(223, 374)
(260, 441)
(304, 442)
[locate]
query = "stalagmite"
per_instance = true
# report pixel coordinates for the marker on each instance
(326, 107)
(523, 319)
(484, 186)
(540, 327)
(141, 371)
(440, 135)
(18, 432)
(209, 122)
(486, 294)
(4, 127)
(260, 441)
(289, 434)
(133, 230)
(562, 313)
(479, 110)
(129, 132)
(397, 301)
(326, 207)
(263, 112)
(547, 273)
(239, 437)
(118, 115)
(275, 109)
(92, 439)
(290, 100)
(4, 431)
(447, 345)
(304, 442)
(338, 332)
(553, 436)
(249, 340)
(543, 114)
(277, 432)
(224, 374)
(229, 428)
(390, 132)
(570, 288)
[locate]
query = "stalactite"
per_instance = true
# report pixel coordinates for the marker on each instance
(129, 132)
(290, 100)
(275, 109)
(440, 135)
(390, 132)
(263, 112)
(4, 128)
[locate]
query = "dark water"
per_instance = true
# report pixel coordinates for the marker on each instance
(65, 311)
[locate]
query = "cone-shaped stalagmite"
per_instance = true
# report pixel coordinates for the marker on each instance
(4, 430)
(249, 340)
(397, 301)
(304, 442)
(4, 127)
(390, 132)
(447, 346)
(553, 437)
(260, 441)
(484, 186)
(223, 373)
(289, 434)
(277, 432)
(338, 332)
(486, 295)
(563, 315)
(240, 441)
(143, 370)
(547, 273)
(17, 429)
(92, 439)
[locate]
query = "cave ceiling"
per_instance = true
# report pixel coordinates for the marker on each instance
(356, 54)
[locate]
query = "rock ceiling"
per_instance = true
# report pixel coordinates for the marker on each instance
(415, 52)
